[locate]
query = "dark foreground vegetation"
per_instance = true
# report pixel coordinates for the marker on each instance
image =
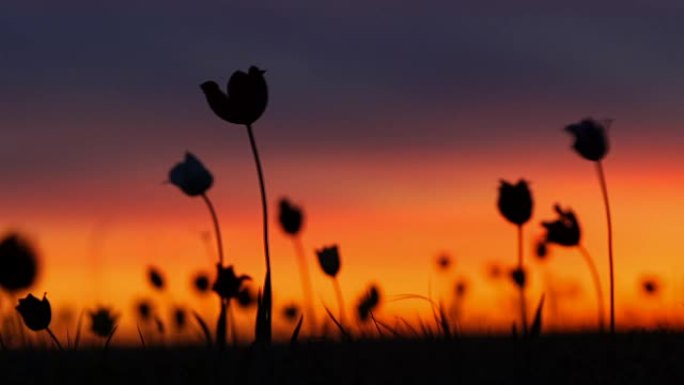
(654, 357)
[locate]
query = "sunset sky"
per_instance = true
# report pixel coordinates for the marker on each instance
(390, 124)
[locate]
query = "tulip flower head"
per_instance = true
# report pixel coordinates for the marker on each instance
(228, 284)
(102, 322)
(179, 318)
(291, 217)
(191, 176)
(443, 262)
(35, 313)
(144, 310)
(329, 259)
(541, 249)
(18, 263)
(291, 312)
(565, 230)
(368, 303)
(650, 286)
(515, 202)
(246, 297)
(245, 100)
(155, 277)
(519, 278)
(461, 288)
(201, 283)
(591, 141)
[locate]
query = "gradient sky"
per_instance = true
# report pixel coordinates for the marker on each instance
(390, 123)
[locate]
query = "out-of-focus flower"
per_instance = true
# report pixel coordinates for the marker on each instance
(329, 259)
(155, 277)
(246, 297)
(541, 249)
(291, 312)
(515, 202)
(443, 261)
(519, 277)
(291, 217)
(35, 313)
(565, 230)
(228, 284)
(102, 322)
(245, 100)
(494, 271)
(461, 288)
(18, 263)
(650, 286)
(368, 303)
(179, 318)
(144, 309)
(201, 283)
(591, 141)
(191, 176)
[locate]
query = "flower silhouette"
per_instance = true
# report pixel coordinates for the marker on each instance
(18, 263)
(246, 297)
(228, 284)
(144, 310)
(35, 313)
(650, 285)
(102, 322)
(191, 176)
(329, 259)
(590, 138)
(443, 262)
(245, 100)
(515, 202)
(541, 249)
(291, 312)
(519, 277)
(201, 283)
(565, 230)
(368, 303)
(179, 318)
(155, 277)
(290, 216)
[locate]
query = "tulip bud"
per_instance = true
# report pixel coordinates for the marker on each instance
(35, 313)
(368, 303)
(156, 278)
(179, 318)
(144, 310)
(201, 283)
(246, 298)
(590, 138)
(291, 312)
(245, 100)
(191, 176)
(18, 263)
(102, 322)
(564, 231)
(329, 259)
(290, 217)
(519, 278)
(515, 202)
(541, 250)
(228, 284)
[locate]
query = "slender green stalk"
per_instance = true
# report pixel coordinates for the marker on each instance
(606, 202)
(307, 288)
(523, 302)
(217, 227)
(54, 338)
(340, 300)
(221, 323)
(597, 285)
(264, 208)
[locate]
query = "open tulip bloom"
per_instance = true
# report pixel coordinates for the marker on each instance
(243, 103)
(329, 259)
(37, 315)
(591, 143)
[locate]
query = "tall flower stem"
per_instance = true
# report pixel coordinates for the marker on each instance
(523, 302)
(340, 300)
(221, 323)
(597, 285)
(54, 338)
(217, 227)
(606, 202)
(306, 282)
(267, 300)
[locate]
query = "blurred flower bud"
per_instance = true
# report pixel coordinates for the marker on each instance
(201, 283)
(515, 202)
(245, 100)
(102, 322)
(290, 217)
(329, 259)
(144, 310)
(368, 302)
(291, 312)
(191, 176)
(590, 138)
(155, 277)
(35, 313)
(228, 284)
(519, 278)
(179, 318)
(18, 263)
(565, 230)
(246, 297)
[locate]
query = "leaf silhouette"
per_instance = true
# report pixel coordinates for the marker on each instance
(343, 331)
(295, 333)
(536, 327)
(204, 327)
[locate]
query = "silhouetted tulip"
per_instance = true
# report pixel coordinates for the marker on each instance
(179, 318)
(245, 100)
(102, 322)
(18, 264)
(228, 284)
(368, 303)
(590, 138)
(443, 262)
(515, 202)
(191, 176)
(461, 288)
(35, 313)
(246, 297)
(291, 217)
(156, 278)
(519, 278)
(541, 250)
(329, 259)
(291, 312)
(564, 231)
(144, 310)
(650, 286)
(201, 283)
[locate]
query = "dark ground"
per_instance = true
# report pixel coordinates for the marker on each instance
(641, 358)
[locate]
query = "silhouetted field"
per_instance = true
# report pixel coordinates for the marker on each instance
(557, 359)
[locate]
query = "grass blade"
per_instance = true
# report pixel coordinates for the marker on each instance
(295, 333)
(77, 339)
(343, 331)
(444, 322)
(221, 327)
(204, 327)
(109, 339)
(142, 339)
(376, 325)
(536, 328)
(2, 343)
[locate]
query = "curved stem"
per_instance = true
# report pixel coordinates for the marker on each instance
(217, 228)
(523, 304)
(340, 300)
(306, 282)
(597, 285)
(606, 202)
(54, 338)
